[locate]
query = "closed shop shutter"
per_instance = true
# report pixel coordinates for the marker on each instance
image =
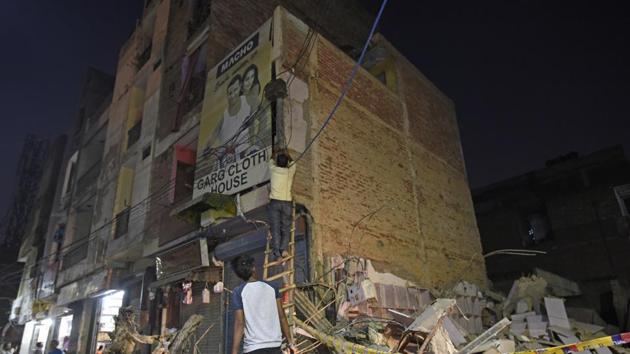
(211, 342)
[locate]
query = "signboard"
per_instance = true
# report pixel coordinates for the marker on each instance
(82, 288)
(235, 128)
(185, 258)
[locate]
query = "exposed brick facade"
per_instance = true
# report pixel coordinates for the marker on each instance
(395, 152)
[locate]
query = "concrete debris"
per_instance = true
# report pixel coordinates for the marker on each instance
(559, 286)
(463, 319)
(530, 290)
(430, 317)
(497, 346)
(485, 337)
(556, 313)
(361, 291)
(441, 342)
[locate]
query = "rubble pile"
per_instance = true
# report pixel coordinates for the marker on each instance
(532, 318)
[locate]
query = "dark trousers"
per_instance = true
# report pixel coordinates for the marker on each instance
(280, 214)
(267, 351)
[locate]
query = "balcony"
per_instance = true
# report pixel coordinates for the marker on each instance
(201, 12)
(143, 57)
(133, 134)
(122, 224)
(88, 178)
(75, 255)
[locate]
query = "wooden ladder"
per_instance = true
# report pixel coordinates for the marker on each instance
(288, 268)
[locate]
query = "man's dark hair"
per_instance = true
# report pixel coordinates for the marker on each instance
(39, 345)
(243, 266)
(282, 160)
(236, 78)
(54, 343)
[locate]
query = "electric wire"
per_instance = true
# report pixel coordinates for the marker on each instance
(348, 84)
(135, 213)
(162, 191)
(309, 41)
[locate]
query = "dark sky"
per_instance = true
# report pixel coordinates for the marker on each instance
(47, 46)
(531, 79)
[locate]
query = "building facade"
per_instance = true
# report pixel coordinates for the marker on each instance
(576, 210)
(179, 189)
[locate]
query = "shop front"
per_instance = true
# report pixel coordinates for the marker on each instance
(185, 279)
(75, 312)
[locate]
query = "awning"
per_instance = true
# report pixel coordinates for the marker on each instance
(247, 243)
(220, 205)
(83, 288)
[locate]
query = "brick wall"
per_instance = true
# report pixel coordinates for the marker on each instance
(395, 155)
(231, 21)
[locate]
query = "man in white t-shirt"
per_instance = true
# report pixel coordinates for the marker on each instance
(259, 319)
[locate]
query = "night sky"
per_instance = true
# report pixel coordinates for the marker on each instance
(531, 79)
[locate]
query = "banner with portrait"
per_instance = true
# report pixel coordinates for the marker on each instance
(235, 134)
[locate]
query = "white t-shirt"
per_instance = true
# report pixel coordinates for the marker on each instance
(262, 322)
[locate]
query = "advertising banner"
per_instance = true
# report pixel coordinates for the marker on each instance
(235, 129)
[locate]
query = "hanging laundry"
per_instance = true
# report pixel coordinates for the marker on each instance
(205, 295)
(187, 288)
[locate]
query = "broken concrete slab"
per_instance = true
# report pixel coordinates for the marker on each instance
(518, 328)
(603, 350)
(587, 328)
(572, 340)
(429, 318)
(556, 313)
(530, 289)
(497, 346)
(441, 342)
(559, 286)
(520, 317)
(455, 332)
(485, 336)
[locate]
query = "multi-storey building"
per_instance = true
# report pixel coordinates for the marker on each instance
(173, 197)
(576, 210)
(68, 192)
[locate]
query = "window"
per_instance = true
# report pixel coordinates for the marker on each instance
(68, 181)
(143, 57)
(135, 114)
(192, 82)
(124, 193)
(183, 173)
(146, 152)
(74, 255)
(122, 223)
(200, 11)
(538, 229)
(133, 134)
(622, 193)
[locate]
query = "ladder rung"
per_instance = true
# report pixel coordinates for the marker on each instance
(287, 305)
(278, 262)
(279, 275)
(287, 288)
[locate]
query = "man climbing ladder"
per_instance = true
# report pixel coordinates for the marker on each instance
(281, 203)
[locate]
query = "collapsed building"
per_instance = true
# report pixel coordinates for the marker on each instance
(152, 205)
(576, 211)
